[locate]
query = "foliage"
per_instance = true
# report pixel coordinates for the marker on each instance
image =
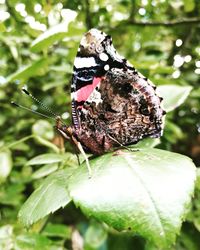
(38, 43)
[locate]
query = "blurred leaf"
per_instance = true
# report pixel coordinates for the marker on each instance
(36, 68)
(5, 164)
(44, 129)
(2, 27)
(49, 37)
(43, 132)
(189, 238)
(6, 231)
(198, 179)
(44, 171)
(147, 143)
(6, 237)
(57, 230)
(161, 69)
(189, 5)
(32, 241)
(95, 236)
(46, 143)
(12, 194)
(46, 159)
(139, 192)
(173, 95)
(51, 195)
(174, 132)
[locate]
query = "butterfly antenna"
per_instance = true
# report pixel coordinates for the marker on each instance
(31, 110)
(39, 102)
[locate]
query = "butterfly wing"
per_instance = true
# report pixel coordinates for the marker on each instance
(91, 64)
(112, 103)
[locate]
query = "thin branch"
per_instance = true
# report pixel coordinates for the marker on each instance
(132, 11)
(88, 19)
(187, 21)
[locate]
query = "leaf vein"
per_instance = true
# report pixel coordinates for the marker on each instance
(157, 213)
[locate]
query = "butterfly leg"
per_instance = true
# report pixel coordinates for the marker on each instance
(79, 146)
(66, 135)
(123, 146)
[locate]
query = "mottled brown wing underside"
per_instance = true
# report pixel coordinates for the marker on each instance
(128, 111)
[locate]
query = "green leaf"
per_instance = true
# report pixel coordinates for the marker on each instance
(49, 37)
(198, 179)
(2, 27)
(146, 192)
(43, 132)
(95, 235)
(44, 129)
(36, 68)
(49, 197)
(46, 143)
(55, 34)
(57, 230)
(50, 158)
(189, 5)
(5, 164)
(173, 95)
(32, 241)
(6, 236)
(46, 159)
(147, 143)
(12, 194)
(44, 171)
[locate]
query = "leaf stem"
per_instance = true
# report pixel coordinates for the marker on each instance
(13, 144)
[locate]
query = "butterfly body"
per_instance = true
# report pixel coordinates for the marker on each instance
(112, 103)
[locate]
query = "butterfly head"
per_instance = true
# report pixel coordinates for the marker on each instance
(92, 42)
(99, 44)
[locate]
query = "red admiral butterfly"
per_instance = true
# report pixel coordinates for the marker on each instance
(112, 103)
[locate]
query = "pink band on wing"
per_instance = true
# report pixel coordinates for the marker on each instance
(83, 93)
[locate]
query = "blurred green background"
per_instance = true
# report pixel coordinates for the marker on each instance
(38, 43)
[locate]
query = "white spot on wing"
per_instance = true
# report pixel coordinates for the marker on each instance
(103, 57)
(84, 62)
(95, 97)
(106, 67)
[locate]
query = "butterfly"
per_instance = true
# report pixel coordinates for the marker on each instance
(112, 103)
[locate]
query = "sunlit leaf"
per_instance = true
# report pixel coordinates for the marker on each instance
(44, 171)
(173, 95)
(145, 192)
(5, 164)
(51, 195)
(32, 241)
(43, 133)
(95, 235)
(36, 68)
(52, 35)
(12, 194)
(6, 236)
(189, 5)
(44, 129)
(57, 230)
(49, 37)
(46, 159)
(147, 143)
(46, 143)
